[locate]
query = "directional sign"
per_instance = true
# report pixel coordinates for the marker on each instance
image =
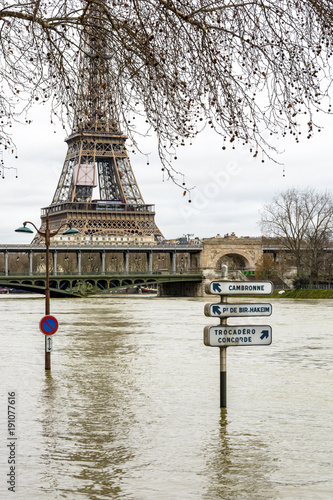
(237, 335)
(48, 343)
(240, 287)
(224, 310)
(48, 325)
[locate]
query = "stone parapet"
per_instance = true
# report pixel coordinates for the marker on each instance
(236, 253)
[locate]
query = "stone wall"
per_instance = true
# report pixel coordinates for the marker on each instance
(238, 253)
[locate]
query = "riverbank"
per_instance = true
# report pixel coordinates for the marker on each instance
(302, 294)
(296, 294)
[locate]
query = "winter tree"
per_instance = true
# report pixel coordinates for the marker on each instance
(301, 221)
(250, 70)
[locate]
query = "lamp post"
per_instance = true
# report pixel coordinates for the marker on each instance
(47, 235)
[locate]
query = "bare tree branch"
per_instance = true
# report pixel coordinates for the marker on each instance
(249, 70)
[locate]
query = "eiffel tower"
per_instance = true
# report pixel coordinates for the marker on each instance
(97, 157)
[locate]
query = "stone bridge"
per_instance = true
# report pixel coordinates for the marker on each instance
(243, 253)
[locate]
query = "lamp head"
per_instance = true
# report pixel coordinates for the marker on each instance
(71, 230)
(23, 229)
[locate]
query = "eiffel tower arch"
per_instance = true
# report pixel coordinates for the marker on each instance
(97, 158)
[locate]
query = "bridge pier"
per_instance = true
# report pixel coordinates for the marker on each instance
(173, 257)
(6, 262)
(179, 289)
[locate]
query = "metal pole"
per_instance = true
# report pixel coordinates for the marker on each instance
(102, 261)
(47, 287)
(79, 261)
(223, 377)
(126, 261)
(55, 262)
(223, 366)
(47, 236)
(223, 353)
(30, 263)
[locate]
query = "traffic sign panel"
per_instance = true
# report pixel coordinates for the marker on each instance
(48, 325)
(240, 287)
(237, 335)
(224, 309)
(48, 343)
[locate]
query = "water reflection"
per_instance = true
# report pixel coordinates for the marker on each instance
(86, 418)
(238, 464)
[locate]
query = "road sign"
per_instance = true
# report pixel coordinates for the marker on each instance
(48, 325)
(224, 310)
(48, 343)
(240, 287)
(237, 335)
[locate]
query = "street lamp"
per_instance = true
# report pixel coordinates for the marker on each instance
(47, 235)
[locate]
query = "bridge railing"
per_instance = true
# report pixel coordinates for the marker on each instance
(100, 246)
(99, 273)
(98, 206)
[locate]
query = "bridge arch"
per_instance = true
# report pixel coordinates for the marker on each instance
(239, 253)
(64, 284)
(102, 284)
(40, 283)
(232, 260)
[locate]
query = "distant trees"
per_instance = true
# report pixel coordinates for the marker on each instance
(266, 267)
(249, 70)
(302, 222)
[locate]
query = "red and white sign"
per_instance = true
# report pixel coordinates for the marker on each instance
(48, 325)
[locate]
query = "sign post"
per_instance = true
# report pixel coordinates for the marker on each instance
(223, 352)
(225, 335)
(48, 326)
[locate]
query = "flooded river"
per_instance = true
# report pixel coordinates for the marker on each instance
(130, 409)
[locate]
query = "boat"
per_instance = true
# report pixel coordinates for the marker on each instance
(148, 289)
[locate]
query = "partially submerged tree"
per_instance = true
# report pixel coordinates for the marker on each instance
(247, 69)
(301, 221)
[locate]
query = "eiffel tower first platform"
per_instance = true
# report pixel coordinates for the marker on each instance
(97, 158)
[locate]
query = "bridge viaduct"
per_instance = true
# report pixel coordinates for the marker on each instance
(95, 267)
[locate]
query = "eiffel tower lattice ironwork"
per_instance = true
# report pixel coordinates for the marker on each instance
(97, 157)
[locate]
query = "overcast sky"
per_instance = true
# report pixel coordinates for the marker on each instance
(231, 186)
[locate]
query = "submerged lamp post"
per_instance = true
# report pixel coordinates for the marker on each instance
(47, 235)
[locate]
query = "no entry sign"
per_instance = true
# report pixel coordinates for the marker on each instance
(48, 325)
